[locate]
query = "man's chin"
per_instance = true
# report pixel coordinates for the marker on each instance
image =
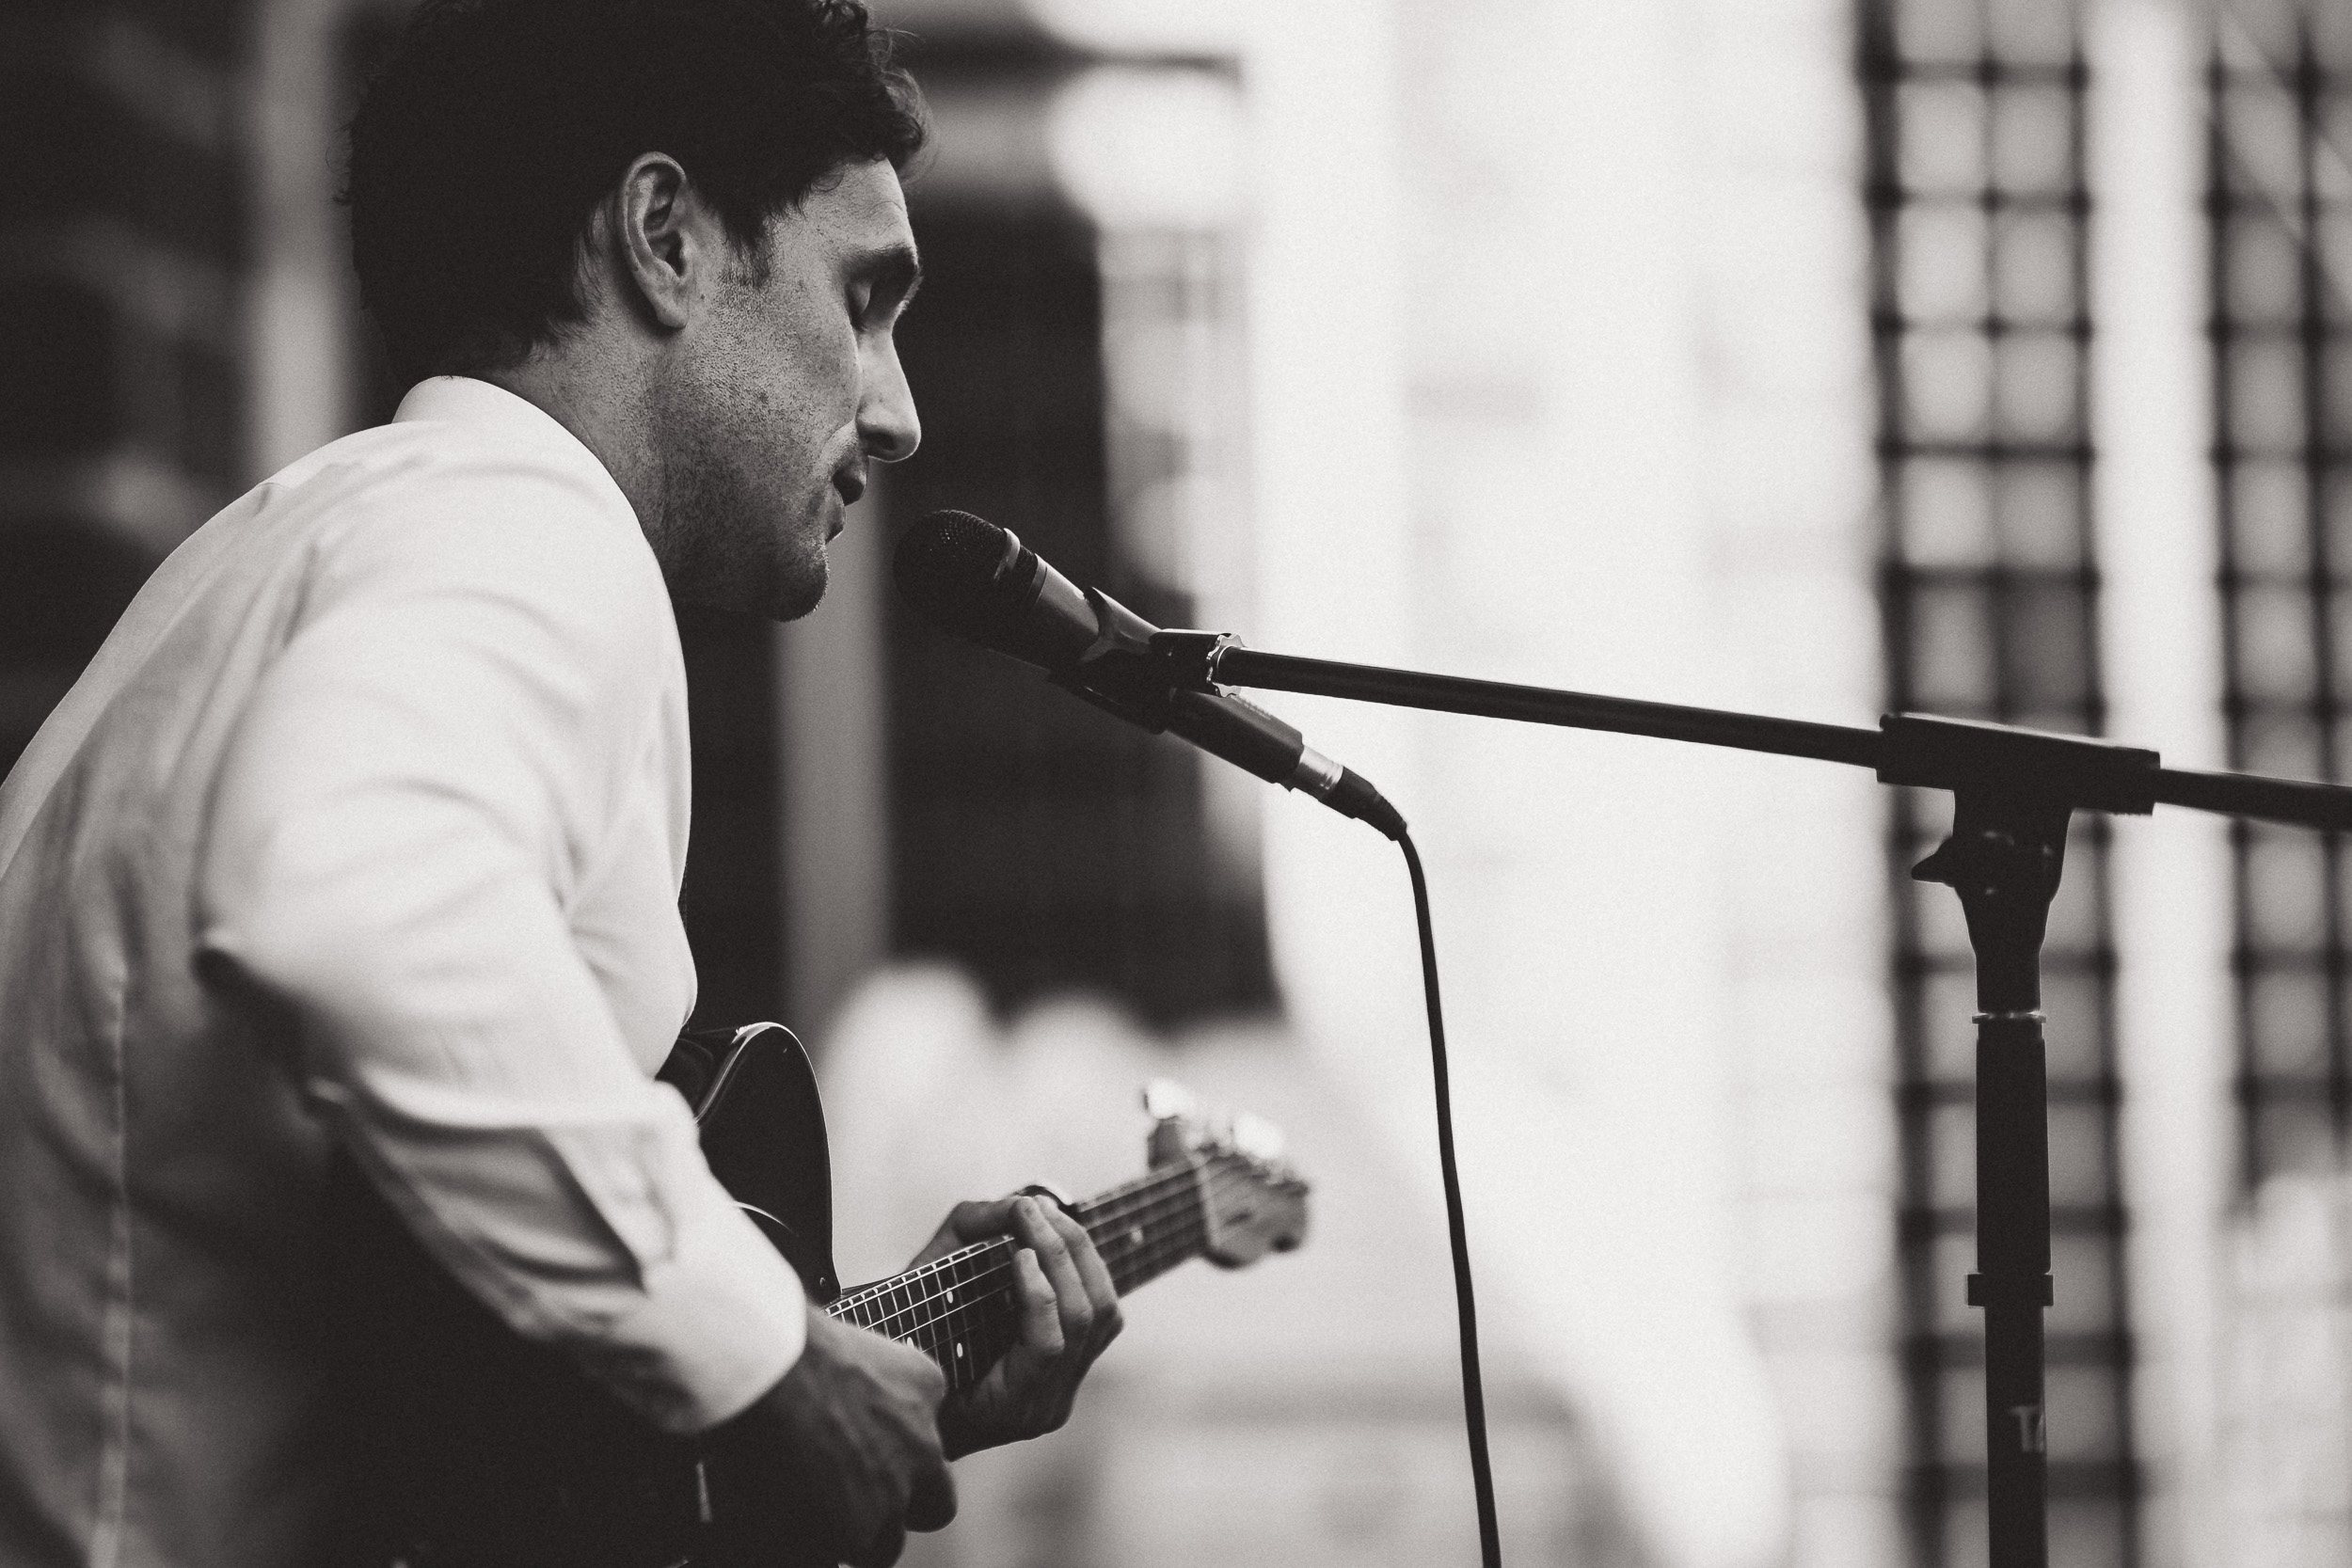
(773, 594)
(798, 603)
(797, 589)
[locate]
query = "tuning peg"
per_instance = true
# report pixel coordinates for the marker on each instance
(1175, 1112)
(1257, 1137)
(1216, 1132)
(1166, 1099)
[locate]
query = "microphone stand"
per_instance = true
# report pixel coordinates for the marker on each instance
(2013, 792)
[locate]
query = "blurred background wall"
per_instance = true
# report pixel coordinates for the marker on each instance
(1818, 357)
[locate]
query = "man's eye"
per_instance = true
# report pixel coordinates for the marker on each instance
(861, 301)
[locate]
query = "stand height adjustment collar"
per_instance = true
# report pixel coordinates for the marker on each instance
(2032, 1290)
(1972, 758)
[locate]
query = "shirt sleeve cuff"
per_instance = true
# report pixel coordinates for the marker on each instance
(721, 1321)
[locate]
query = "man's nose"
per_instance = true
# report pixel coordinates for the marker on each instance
(887, 425)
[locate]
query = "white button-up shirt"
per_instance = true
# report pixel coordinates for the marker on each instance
(397, 742)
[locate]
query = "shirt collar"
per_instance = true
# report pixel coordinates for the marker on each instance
(493, 411)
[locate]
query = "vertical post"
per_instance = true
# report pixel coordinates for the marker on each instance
(2013, 1282)
(2004, 859)
(2155, 500)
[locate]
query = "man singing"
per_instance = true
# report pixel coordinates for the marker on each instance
(363, 833)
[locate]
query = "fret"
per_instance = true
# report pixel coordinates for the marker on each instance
(1148, 1227)
(960, 1309)
(1123, 1207)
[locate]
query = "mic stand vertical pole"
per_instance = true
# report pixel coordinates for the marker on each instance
(2013, 791)
(2004, 859)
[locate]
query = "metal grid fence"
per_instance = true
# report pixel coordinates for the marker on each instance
(2279, 201)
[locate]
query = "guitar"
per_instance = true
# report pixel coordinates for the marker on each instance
(468, 1447)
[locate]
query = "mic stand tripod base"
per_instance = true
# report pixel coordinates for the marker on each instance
(2004, 859)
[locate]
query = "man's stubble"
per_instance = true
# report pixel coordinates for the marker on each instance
(729, 540)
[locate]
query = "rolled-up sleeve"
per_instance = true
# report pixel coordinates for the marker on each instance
(435, 771)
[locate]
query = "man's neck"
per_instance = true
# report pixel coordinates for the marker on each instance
(601, 406)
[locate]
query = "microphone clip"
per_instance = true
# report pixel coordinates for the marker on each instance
(1187, 660)
(1119, 671)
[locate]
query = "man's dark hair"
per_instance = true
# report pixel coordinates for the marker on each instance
(480, 151)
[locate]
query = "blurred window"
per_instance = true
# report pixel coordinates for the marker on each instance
(1071, 354)
(1975, 113)
(2280, 195)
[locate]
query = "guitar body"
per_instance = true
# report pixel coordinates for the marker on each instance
(468, 1447)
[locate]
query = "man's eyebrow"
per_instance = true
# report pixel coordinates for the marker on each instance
(894, 270)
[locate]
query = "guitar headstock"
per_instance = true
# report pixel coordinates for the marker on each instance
(1253, 1201)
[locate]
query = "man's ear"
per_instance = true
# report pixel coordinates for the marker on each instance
(670, 245)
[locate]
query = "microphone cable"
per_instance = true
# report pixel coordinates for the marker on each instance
(982, 583)
(1465, 1300)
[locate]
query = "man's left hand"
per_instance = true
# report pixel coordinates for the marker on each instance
(1069, 1314)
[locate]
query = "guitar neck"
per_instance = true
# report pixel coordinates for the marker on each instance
(960, 1310)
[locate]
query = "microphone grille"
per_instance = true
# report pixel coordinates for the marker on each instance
(949, 547)
(951, 567)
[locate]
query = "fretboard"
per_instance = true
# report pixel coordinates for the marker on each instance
(960, 1310)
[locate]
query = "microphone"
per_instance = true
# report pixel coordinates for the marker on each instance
(981, 582)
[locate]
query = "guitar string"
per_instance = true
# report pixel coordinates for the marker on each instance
(993, 1336)
(930, 1332)
(926, 1284)
(978, 1295)
(1174, 1184)
(1090, 1212)
(973, 1286)
(1109, 1218)
(928, 1275)
(1118, 1207)
(1165, 1252)
(971, 1283)
(985, 1337)
(881, 1292)
(1172, 1247)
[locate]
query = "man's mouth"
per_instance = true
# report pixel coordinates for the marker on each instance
(849, 481)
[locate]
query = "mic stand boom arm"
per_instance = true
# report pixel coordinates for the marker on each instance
(2013, 793)
(1933, 752)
